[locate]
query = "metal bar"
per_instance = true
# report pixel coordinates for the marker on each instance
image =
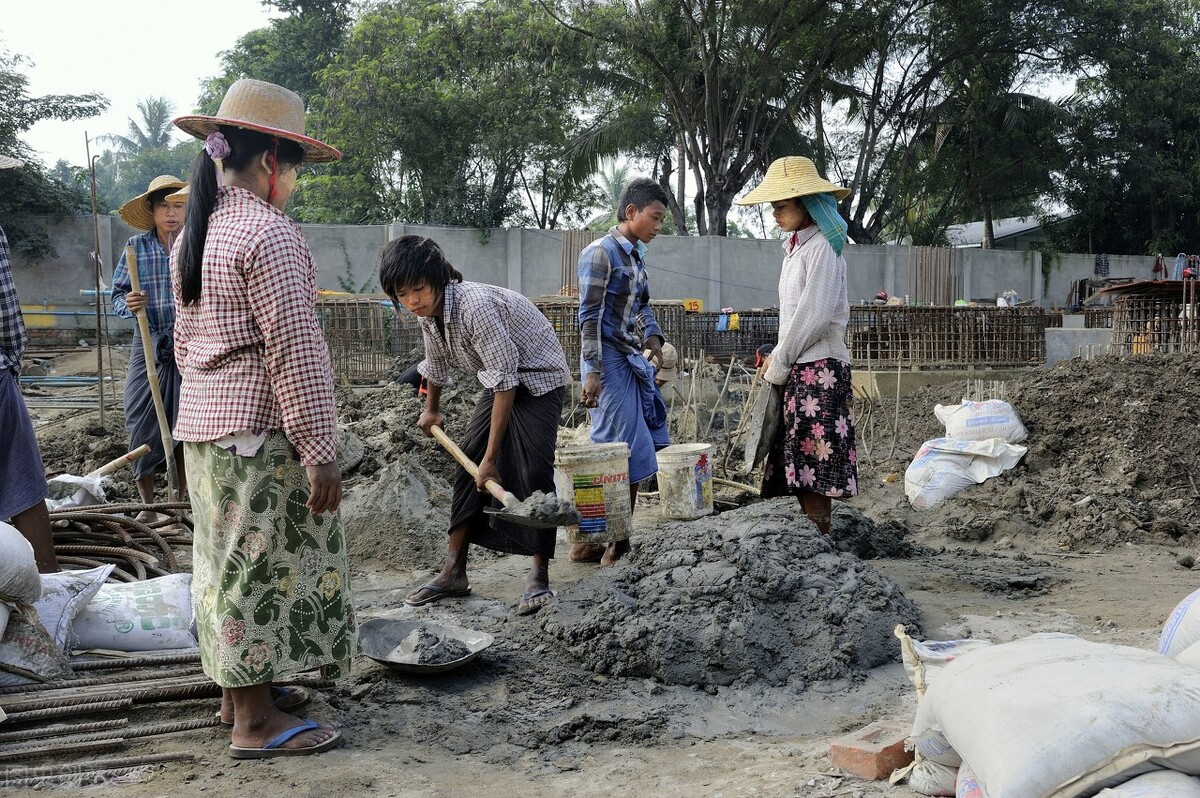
(64, 712)
(62, 730)
(140, 661)
(59, 747)
(75, 769)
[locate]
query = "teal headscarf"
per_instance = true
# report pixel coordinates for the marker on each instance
(823, 210)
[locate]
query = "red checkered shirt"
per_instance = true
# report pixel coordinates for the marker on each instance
(251, 352)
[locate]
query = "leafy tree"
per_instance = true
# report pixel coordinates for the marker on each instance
(32, 190)
(1135, 152)
(461, 113)
(736, 79)
(146, 151)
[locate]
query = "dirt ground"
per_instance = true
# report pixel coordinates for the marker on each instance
(726, 653)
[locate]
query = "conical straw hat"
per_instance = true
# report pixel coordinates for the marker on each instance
(265, 107)
(792, 176)
(137, 212)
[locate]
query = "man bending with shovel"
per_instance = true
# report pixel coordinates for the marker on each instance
(504, 340)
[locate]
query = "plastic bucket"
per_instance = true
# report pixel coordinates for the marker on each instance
(685, 488)
(596, 478)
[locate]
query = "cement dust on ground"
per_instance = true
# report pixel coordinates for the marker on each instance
(723, 656)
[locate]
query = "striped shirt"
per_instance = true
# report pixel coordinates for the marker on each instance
(154, 276)
(13, 337)
(813, 308)
(251, 352)
(614, 300)
(496, 334)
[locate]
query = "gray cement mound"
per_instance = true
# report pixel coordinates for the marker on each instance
(751, 595)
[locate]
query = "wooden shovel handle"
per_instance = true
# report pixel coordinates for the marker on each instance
(494, 487)
(113, 465)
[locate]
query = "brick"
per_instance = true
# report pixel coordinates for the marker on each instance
(873, 751)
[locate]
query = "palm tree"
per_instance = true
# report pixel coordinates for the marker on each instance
(611, 180)
(153, 133)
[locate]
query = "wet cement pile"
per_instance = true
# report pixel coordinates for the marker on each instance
(752, 595)
(1111, 458)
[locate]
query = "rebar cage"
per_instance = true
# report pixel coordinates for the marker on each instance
(1158, 322)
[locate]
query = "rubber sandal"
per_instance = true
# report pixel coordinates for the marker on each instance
(287, 698)
(437, 594)
(272, 748)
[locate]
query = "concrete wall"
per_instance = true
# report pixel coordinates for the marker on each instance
(735, 272)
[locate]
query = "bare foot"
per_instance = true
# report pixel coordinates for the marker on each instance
(586, 552)
(615, 551)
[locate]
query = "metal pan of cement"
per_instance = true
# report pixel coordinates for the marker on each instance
(413, 646)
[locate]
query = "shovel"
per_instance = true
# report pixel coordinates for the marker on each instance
(540, 511)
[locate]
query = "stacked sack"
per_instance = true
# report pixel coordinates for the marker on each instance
(980, 443)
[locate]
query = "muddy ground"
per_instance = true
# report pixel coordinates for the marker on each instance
(726, 653)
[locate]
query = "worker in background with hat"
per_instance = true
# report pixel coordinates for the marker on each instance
(665, 374)
(814, 457)
(159, 213)
(22, 476)
(270, 576)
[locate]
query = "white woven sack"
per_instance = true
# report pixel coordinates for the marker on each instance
(943, 466)
(1182, 628)
(19, 578)
(978, 421)
(1159, 784)
(1189, 656)
(1055, 716)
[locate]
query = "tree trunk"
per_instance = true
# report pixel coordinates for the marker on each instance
(989, 234)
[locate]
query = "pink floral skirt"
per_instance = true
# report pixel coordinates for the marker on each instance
(815, 450)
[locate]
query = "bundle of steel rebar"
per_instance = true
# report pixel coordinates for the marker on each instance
(95, 769)
(108, 533)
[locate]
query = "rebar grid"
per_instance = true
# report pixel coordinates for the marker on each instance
(365, 335)
(1167, 324)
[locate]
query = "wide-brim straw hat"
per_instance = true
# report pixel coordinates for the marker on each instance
(182, 194)
(267, 108)
(792, 176)
(10, 163)
(669, 370)
(137, 212)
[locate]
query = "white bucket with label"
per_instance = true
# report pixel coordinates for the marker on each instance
(595, 477)
(685, 488)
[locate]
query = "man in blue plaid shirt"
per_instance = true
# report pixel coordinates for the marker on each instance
(22, 476)
(616, 324)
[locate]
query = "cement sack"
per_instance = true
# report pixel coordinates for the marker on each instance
(968, 785)
(1182, 628)
(979, 421)
(152, 615)
(935, 763)
(1189, 656)
(19, 578)
(943, 466)
(1055, 716)
(68, 490)
(1159, 784)
(28, 654)
(64, 595)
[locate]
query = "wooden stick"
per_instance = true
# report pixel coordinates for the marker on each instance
(164, 429)
(720, 396)
(124, 459)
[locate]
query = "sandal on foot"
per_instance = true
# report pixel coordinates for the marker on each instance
(273, 749)
(587, 552)
(529, 600)
(287, 698)
(437, 594)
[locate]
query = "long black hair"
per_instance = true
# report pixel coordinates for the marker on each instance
(245, 146)
(415, 260)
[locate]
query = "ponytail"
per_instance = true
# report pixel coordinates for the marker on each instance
(245, 145)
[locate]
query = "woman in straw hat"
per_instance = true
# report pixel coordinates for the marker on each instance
(815, 457)
(161, 216)
(22, 477)
(257, 420)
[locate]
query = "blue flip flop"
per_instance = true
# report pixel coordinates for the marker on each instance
(287, 698)
(273, 749)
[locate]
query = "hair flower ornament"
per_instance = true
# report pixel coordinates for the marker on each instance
(217, 147)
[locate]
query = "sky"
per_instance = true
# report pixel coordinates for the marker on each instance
(128, 50)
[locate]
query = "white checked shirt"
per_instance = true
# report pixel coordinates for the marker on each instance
(496, 334)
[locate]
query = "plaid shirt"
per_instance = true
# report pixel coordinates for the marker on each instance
(498, 335)
(251, 351)
(154, 275)
(12, 325)
(614, 301)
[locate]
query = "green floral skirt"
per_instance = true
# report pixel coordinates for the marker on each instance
(270, 580)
